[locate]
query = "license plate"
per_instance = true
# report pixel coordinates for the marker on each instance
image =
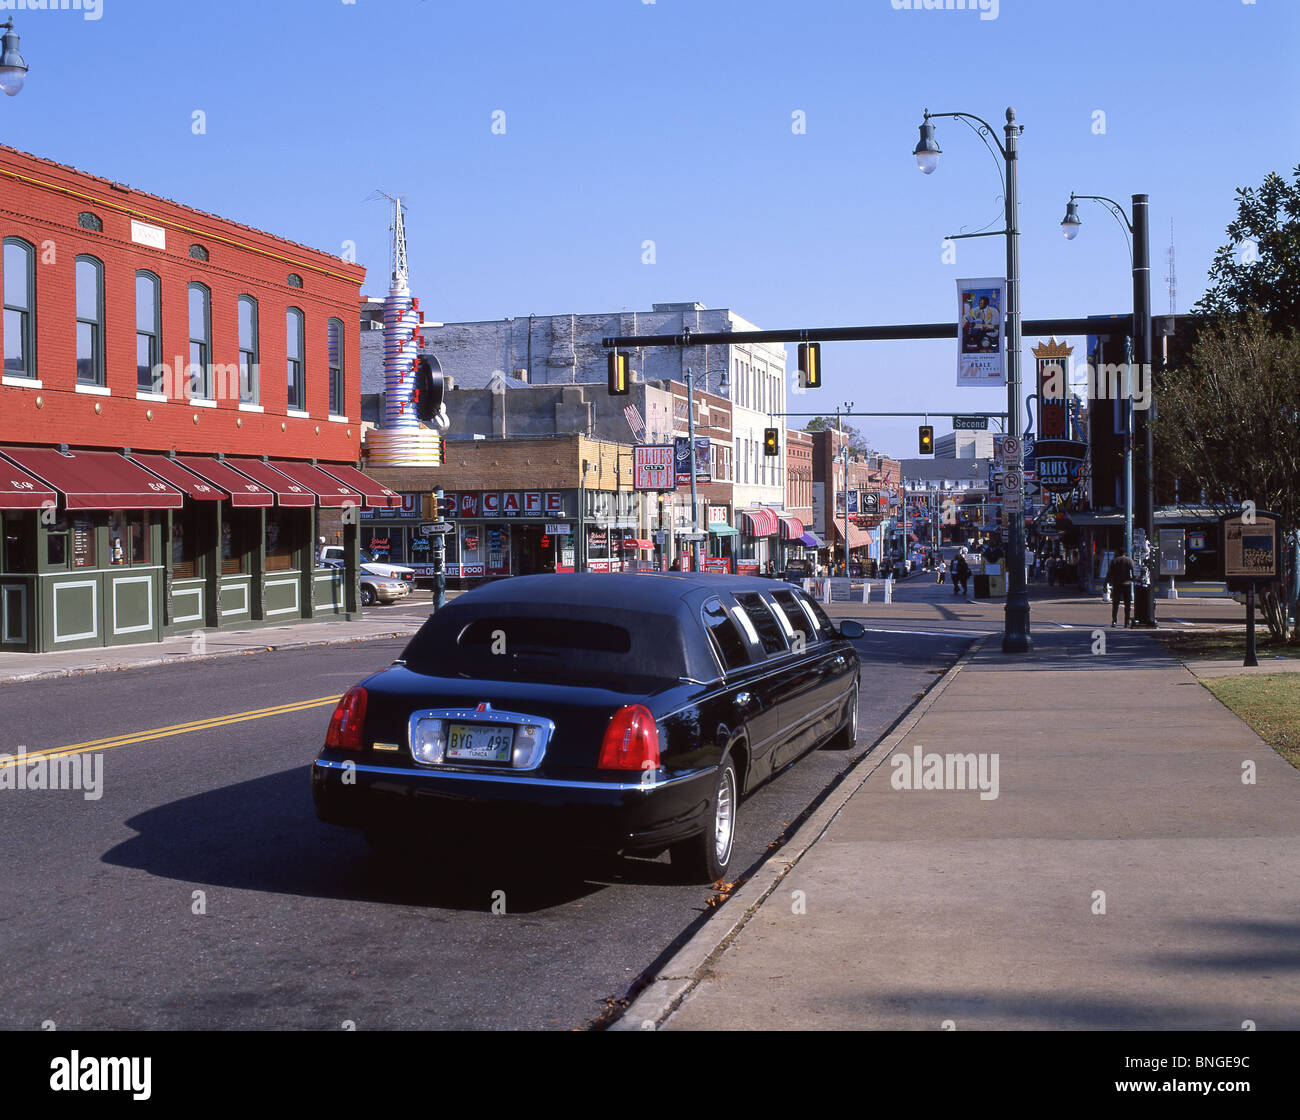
(477, 743)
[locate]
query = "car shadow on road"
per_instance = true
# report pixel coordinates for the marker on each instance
(263, 835)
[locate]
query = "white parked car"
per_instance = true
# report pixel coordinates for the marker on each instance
(333, 555)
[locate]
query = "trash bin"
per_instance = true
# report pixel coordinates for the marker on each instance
(981, 586)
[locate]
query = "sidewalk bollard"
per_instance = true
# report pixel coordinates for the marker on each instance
(1172, 593)
(889, 590)
(866, 591)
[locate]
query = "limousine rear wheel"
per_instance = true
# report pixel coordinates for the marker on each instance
(705, 858)
(847, 736)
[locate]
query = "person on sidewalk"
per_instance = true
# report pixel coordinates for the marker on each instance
(941, 568)
(1119, 576)
(960, 574)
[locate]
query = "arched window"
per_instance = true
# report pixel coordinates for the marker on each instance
(90, 321)
(198, 252)
(335, 339)
(148, 331)
(297, 373)
(295, 281)
(87, 220)
(19, 308)
(249, 378)
(200, 367)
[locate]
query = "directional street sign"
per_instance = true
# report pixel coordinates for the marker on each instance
(970, 423)
(431, 528)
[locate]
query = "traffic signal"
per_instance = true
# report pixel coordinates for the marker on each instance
(446, 508)
(925, 439)
(810, 365)
(618, 374)
(771, 441)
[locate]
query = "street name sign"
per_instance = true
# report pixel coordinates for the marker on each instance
(970, 423)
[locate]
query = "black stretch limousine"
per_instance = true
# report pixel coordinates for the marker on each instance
(625, 712)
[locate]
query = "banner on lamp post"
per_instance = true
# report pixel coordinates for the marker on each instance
(981, 309)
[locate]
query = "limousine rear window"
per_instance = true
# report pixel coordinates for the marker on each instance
(760, 614)
(545, 634)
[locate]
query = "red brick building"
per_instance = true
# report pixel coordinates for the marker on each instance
(169, 379)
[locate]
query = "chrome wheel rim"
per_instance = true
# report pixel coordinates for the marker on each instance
(724, 816)
(853, 717)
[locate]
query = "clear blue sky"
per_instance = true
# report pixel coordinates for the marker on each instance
(671, 121)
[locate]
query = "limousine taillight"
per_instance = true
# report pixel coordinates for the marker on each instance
(631, 741)
(348, 721)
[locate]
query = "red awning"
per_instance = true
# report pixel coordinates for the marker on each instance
(242, 491)
(286, 491)
(96, 479)
(329, 491)
(639, 543)
(377, 495)
(759, 522)
(169, 470)
(19, 490)
(858, 538)
(791, 528)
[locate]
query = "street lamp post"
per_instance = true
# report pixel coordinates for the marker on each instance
(1015, 635)
(1137, 232)
(844, 453)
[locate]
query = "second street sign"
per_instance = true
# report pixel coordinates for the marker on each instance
(970, 423)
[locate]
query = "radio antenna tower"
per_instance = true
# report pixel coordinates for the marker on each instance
(397, 243)
(1172, 278)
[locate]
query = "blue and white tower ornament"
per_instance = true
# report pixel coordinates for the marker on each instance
(401, 440)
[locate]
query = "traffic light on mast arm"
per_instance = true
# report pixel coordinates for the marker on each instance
(771, 441)
(810, 365)
(925, 439)
(618, 374)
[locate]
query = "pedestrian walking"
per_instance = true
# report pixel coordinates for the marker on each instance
(960, 574)
(1119, 576)
(942, 568)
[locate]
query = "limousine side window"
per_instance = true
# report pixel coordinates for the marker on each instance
(799, 622)
(729, 643)
(760, 615)
(815, 614)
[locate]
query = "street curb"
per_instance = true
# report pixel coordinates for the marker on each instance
(153, 662)
(662, 996)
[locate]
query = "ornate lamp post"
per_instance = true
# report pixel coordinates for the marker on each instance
(1015, 635)
(1139, 247)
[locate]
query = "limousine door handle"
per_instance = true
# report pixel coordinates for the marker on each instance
(743, 699)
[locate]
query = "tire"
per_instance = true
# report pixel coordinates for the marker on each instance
(706, 857)
(847, 736)
(367, 596)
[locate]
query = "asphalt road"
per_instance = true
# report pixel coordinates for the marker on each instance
(199, 891)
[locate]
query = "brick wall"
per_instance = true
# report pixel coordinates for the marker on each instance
(40, 202)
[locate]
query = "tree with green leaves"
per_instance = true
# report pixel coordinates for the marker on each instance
(858, 444)
(1259, 268)
(1230, 419)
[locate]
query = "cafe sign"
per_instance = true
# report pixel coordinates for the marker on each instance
(653, 467)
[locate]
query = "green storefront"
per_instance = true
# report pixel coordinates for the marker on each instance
(99, 548)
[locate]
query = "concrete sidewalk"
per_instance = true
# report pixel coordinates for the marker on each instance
(1124, 876)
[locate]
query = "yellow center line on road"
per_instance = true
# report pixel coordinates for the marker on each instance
(172, 729)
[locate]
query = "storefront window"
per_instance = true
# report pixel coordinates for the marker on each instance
(282, 539)
(183, 544)
(15, 548)
(56, 543)
(232, 544)
(128, 538)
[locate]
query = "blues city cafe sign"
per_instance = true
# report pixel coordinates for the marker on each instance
(507, 503)
(1058, 458)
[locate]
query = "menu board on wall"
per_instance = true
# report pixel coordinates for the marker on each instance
(83, 542)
